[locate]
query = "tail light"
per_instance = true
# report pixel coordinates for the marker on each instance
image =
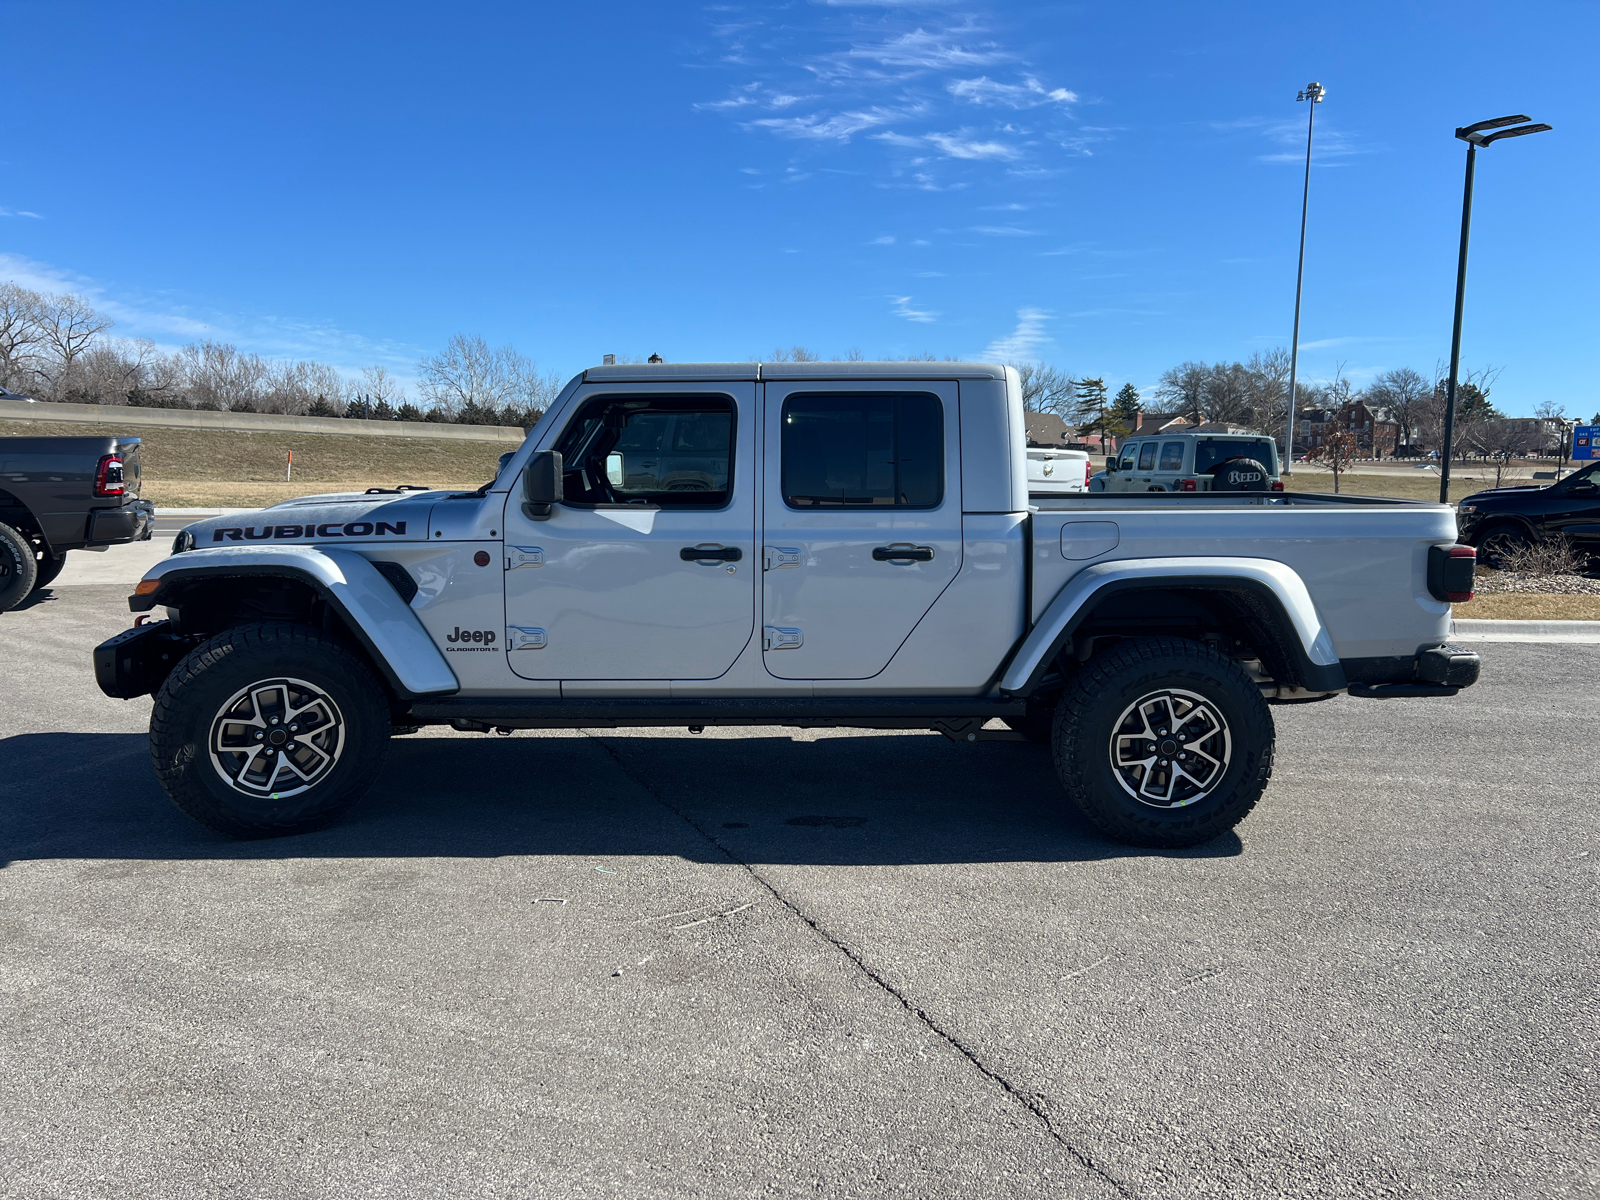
(1187, 485)
(108, 476)
(1450, 573)
(1088, 472)
(1277, 485)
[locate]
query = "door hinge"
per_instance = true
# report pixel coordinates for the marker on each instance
(525, 637)
(524, 556)
(780, 638)
(774, 557)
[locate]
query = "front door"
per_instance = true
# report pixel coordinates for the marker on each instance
(647, 569)
(1574, 509)
(861, 521)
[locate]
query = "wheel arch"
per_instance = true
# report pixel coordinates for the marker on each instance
(339, 588)
(1263, 603)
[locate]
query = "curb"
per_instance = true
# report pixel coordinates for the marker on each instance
(1525, 631)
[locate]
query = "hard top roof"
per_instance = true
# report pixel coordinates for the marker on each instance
(637, 372)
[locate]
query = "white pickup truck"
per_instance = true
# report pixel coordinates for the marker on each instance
(791, 544)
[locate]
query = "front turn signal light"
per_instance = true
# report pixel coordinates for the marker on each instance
(146, 587)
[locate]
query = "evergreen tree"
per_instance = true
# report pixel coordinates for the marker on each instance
(1127, 404)
(1094, 411)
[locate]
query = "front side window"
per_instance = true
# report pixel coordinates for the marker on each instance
(1126, 462)
(670, 452)
(1147, 456)
(868, 450)
(1172, 456)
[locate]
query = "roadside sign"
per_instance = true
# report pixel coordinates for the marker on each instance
(1583, 441)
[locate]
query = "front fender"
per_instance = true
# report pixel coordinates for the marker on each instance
(1275, 584)
(398, 644)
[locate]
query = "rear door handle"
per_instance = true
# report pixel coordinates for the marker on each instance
(902, 553)
(711, 554)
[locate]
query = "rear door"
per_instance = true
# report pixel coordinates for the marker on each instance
(861, 520)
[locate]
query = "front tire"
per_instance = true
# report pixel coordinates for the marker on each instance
(18, 568)
(1163, 742)
(269, 730)
(1502, 544)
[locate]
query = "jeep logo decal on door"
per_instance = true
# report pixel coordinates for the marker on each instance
(470, 639)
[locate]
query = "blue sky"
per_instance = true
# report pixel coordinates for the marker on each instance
(1112, 188)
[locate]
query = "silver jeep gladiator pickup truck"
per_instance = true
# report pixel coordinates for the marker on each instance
(793, 544)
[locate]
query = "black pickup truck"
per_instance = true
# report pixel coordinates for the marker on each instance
(64, 493)
(1502, 521)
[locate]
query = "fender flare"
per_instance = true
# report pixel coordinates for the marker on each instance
(1274, 585)
(384, 623)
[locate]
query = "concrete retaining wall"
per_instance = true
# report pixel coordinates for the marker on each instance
(123, 417)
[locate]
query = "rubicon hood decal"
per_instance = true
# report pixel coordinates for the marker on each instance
(323, 519)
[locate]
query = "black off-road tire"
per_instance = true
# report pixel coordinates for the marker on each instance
(189, 710)
(49, 567)
(18, 568)
(1500, 541)
(1094, 707)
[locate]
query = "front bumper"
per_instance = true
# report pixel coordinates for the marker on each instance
(137, 661)
(130, 522)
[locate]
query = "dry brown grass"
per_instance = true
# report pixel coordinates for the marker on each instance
(1526, 606)
(1425, 486)
(322, 461)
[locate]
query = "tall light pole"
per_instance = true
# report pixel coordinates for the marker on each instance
(1314, 92)
(1474, 137)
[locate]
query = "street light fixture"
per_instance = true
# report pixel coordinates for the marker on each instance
(1474, 136)
(1314, 92)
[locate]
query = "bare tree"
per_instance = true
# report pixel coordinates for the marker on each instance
(21, 332)
(1183, 387)
(1338, 450)
(1404, 393)
(1045, 389)
(67, 326)
(218, 377)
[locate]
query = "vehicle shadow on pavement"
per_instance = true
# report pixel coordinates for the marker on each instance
(878, 799)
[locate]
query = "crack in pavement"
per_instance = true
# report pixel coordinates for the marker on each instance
(1033, 1107)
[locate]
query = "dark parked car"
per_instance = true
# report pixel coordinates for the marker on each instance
(64, 493)
(1504, 519)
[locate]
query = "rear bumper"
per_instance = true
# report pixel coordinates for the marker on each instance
(130, 522)
(1432, 671)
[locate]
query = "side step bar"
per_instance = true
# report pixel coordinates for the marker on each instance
(959, 718)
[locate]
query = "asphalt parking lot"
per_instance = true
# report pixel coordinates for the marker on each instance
(646, 963)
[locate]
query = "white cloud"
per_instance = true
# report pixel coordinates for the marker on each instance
(902, 308)
(1005, 231)
(1022, 343)
(1030, 93)
(924, 51)
(838, 128)
(957, 146)
(19, 212)
(886, 240)
(753, 95)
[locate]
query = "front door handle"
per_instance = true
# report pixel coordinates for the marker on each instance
(711, 554)
(902, 553)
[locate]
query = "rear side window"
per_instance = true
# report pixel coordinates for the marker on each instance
(1208, 452)
(1172, 456)
(872, 450)
(1147, 457)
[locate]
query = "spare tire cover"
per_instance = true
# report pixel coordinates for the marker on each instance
(1239, 475)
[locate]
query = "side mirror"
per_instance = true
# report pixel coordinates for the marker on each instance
(541, 485)
(1111, 465)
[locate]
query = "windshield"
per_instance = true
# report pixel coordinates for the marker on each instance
(1208, 452)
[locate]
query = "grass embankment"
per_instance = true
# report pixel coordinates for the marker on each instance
(1529, 606)
(193, 468)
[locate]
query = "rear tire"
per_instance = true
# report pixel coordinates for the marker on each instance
(49, 567)
(1202, 768)
(268, 730)
(18, 568)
